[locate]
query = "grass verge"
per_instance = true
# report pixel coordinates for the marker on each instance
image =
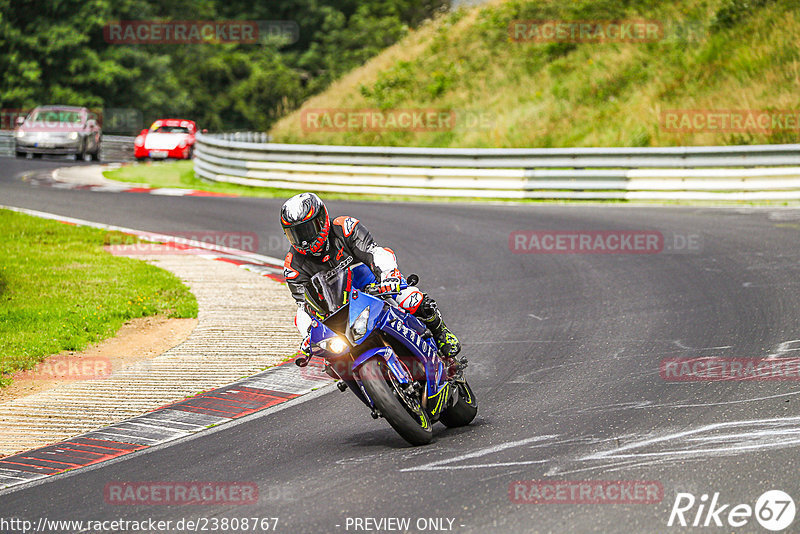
(60, 290)
(712, 55)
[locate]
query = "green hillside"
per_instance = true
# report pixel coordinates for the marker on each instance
(713, 55)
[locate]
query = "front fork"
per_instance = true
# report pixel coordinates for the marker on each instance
(404, 376)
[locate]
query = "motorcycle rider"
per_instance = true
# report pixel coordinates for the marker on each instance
(317, 244)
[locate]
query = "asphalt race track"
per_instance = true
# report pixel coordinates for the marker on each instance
(564, 356)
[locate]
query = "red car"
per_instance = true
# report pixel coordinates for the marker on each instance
(166, 138)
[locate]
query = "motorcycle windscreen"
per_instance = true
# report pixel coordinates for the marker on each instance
(329, 291)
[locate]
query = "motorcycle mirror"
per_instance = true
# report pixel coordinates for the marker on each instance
(412, 279)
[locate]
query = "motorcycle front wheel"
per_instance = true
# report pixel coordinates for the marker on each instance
(401, 411)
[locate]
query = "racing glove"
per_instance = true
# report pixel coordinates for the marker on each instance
(390, 282)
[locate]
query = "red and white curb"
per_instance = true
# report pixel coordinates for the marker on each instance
(50, 179)
(259, 392)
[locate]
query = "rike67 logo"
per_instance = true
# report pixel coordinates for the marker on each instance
(774, 510)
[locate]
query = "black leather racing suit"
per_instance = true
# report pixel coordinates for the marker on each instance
(349, 242)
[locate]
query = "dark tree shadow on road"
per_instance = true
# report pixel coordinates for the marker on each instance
(388, 438)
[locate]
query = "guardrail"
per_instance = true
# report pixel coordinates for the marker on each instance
(6, 143)
(116, 148)
(763, 172)
(112, 147)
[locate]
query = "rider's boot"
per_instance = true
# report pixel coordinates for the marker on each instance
(446, 341)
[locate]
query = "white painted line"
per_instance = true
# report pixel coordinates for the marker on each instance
(162, 429)
(476, 466)
(620, 452)
(171, 192)
(438, 465)
(108, 433)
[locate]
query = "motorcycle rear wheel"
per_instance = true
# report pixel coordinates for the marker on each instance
(408, 420)
(464, 410)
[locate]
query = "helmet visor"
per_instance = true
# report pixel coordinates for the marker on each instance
(303, 235)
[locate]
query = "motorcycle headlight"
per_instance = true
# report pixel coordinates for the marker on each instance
(360, 324)
(73, 135)
(336, 345)
(20, 133)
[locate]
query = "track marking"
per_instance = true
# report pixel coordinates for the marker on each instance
(784, 347)
(440, 465)
(752, 436)
(679, 344)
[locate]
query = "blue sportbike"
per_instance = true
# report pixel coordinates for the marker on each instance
(384, 355)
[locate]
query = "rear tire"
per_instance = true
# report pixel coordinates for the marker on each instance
(415, 429)
(462, 412)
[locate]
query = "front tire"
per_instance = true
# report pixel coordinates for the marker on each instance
(464, 410)
(415, 429)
